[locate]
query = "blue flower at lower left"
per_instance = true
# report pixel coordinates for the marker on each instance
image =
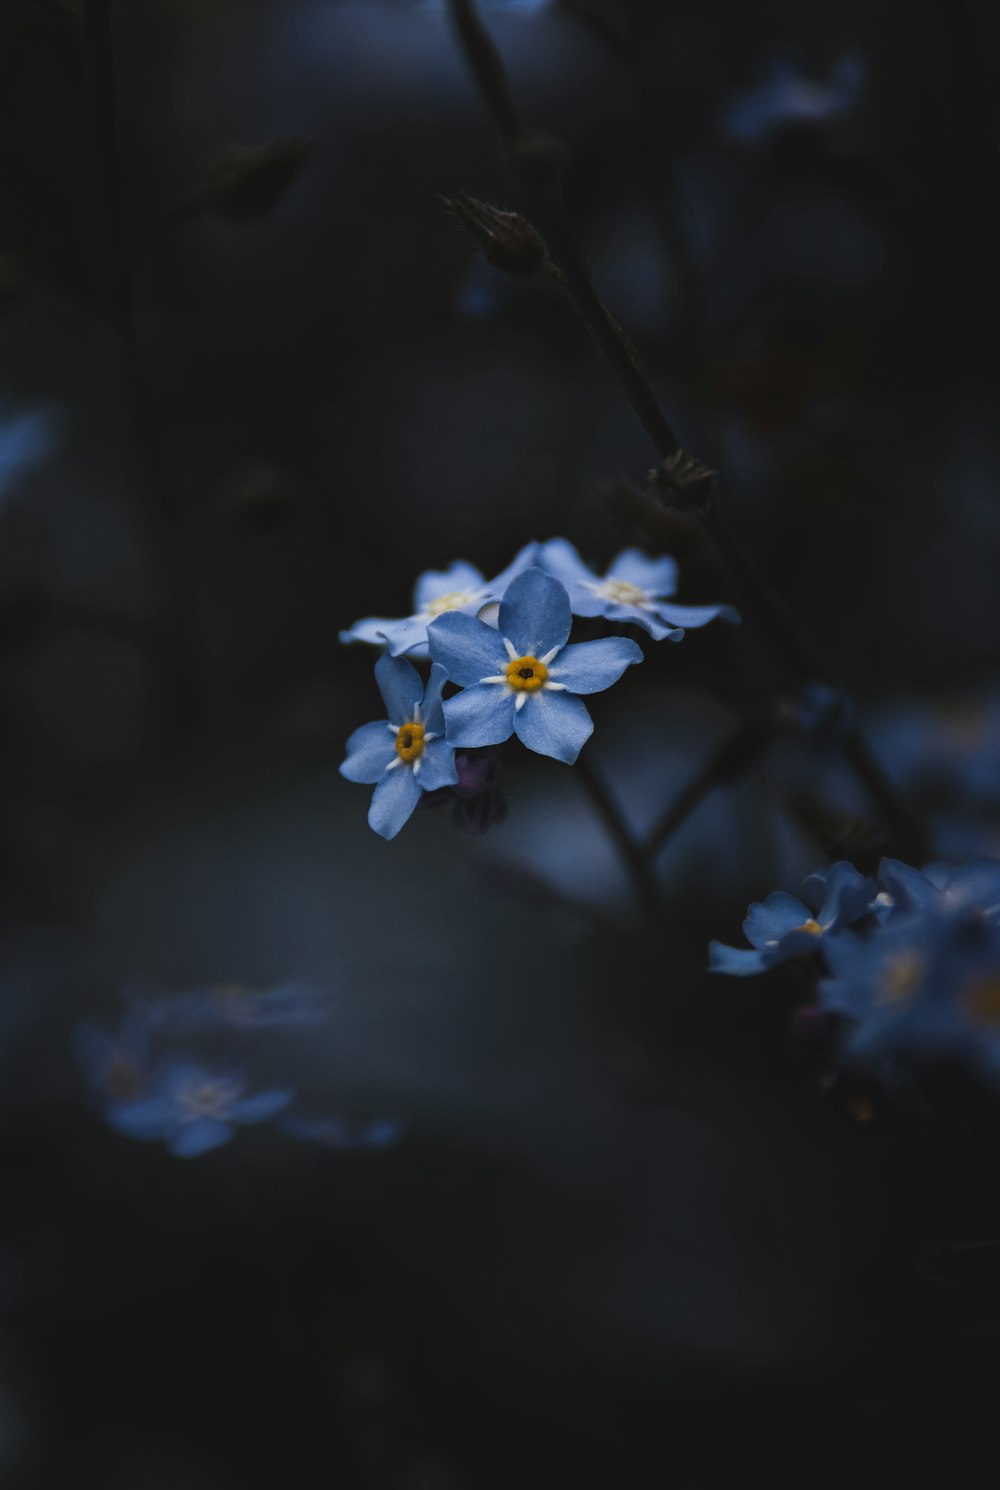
(405, 754)
(193, 1108)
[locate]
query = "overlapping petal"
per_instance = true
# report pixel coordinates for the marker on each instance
(481, 715)
(771, 919)
(535, 614)
(654, 576)
(590, 667)
(199, 1137)
(434, 583)
(555, 724)
(369, 750)
(401, 687)
(393, 801)
(466, 648)
(692, 616)
(437, 766)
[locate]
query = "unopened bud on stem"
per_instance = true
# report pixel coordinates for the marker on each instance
(507, 239)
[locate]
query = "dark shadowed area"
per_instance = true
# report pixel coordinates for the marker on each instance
(537, 1202)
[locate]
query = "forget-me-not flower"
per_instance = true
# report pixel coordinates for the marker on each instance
(193, 1108)
(407, 753)
(918, 992)
(522, 678)
(461, 587)
(789, 98)
(634, 589)
(783, 927)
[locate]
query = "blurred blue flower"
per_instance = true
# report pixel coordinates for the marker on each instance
(460, 588)
(788, 98)
(783, 927)
(290, 1005)
(192, 1108)
(27, 437)
(405, 754)
(523, 679)
(115, 1063)
(634, 589)
(340, 1133)
(924, 990)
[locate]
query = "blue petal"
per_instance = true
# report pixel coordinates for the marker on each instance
(393, 801)
(692, 616)
(401, 688)
(523, 560)
(977, 883)
(152, 1117)
(397, 636)
(437, 766)
(635, 616)
(770, 921)
(555, 724)
(369, 751)
(846, 894)
(535, 614)
(559, 558)
(739, 962)
(910, 890)
(466, 648)
(590, 667)
(431, 712)
(437, 582)
(483, 715)
(655, 576)
(260, 1107)
(198, 1137)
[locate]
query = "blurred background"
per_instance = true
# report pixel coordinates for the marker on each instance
(253, 380)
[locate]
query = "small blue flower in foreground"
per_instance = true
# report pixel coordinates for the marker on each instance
(192, 1108)
(461, 588)
(634, 589)
(783, 927)
(522, 678)
(405, 754)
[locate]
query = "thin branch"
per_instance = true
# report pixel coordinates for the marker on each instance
(631, 853)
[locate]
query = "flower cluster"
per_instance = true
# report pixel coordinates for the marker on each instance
(168, 1072)
(912, 962)
(505, 645)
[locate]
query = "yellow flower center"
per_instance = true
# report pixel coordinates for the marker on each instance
(813, 927)
(410, 742)
(454, 600)
(622, 593)
(526, 674)
(982, 1000)
(901, 977)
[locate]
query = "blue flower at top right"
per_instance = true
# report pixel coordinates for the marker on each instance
(635, 588)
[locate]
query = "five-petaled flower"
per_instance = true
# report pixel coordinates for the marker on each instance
(405, 754)
(461, 587)
(523, 679)
(784, 927)
(634, 589)
(193, 1108)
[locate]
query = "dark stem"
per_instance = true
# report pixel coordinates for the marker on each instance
(630, 852)
(733, 757)
(535, 164)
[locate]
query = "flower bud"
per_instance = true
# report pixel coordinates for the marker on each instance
(507, 239)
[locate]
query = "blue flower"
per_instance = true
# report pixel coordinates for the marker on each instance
(918, 992)
(405, 754)
(783, 927)
(115, 1063)
(234, 1005)
(788, 98)
(460, 588)
(523, 679)
(906, 893)
(634, 589)
(192, 1108)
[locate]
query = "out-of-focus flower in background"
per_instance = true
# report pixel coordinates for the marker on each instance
(788, 99)
(782, 926)
(29, 434)
(193, 1108)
